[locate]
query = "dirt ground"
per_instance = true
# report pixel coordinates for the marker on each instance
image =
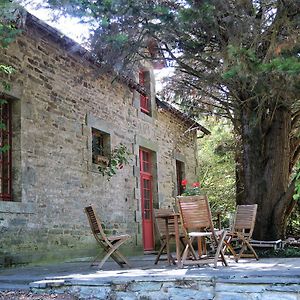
(25, 295)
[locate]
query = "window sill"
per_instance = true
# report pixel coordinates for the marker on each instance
(100, 160)
(16, 207)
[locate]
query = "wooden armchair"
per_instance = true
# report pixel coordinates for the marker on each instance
(160, 225)
(197, 224)
(109, 244)
(241, 232)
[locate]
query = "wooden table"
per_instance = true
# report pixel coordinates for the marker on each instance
(167, 218)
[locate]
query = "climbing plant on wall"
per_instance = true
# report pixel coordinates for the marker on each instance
(8, 32)
(118, 157)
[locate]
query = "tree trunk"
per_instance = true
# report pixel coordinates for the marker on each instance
(265, 155)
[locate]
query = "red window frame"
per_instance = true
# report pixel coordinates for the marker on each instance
(144, 100)
(6, 156)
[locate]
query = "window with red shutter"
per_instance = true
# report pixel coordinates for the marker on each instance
(145, 103)
(6, 152)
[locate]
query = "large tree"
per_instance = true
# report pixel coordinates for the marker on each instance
(235, 58)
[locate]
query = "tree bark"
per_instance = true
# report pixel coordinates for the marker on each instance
(265, 155)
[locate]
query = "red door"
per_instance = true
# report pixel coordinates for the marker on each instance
(146, 199)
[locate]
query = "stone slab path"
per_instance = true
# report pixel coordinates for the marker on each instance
(276, 278)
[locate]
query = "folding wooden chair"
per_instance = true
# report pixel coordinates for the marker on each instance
(241, 232)
(110, 244)
(160, 226)
(197, 223)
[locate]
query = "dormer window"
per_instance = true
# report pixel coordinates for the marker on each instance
(145, 101)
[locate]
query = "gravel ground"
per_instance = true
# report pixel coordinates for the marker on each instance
(24, 295)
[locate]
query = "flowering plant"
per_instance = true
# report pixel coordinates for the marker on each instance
(116, 160)
(190, 191)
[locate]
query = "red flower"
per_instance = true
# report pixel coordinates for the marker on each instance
(184, 182)
(196, 184)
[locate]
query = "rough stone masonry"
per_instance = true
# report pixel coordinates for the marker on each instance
(57, 97)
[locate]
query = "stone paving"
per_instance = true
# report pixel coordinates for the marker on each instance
(249, 279)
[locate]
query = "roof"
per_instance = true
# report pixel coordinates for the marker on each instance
(76, 48)
(183, 116)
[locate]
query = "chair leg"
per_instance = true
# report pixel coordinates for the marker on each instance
(184, 255)
(97, 257)
(121, 258)
(183, 242)
(227, 243)
(188, 247)
(230, 248)
(220, 251)
(163, 246)
(104, 259)
(246, 245)
(251, 248)
(114, 253)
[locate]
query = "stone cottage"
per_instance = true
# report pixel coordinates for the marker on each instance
(61, 121)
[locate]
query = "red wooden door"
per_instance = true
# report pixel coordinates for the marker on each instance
(146, 199)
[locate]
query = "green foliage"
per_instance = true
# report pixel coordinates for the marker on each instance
(243, 62)
(287, 252)
(6, 69)
(119, 38)
(240, 62)
(296, 195)
(117, 159)
(4, 148)
(217, 166)
(8, 33)
(285, 65)
(293, 225)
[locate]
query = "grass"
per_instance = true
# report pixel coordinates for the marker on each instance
(289, 251)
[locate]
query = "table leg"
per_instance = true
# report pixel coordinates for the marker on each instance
(167, 240)
(176, 227)
(200, 246)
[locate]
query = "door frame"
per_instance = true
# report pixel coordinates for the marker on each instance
(147, 227)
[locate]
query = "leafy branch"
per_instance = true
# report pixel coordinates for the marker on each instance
(296, 195)
(118, 157)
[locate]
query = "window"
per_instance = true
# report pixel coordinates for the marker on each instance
(100, 146)
(145, 101)
(6, 155)
(179, 176)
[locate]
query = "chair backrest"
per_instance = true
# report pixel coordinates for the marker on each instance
(195, 213)
(244, 220)
(95, 223)
(160, 223)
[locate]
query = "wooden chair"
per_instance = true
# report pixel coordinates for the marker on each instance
(110, 244)
(160, 226)
(241, 232)
(197, 223)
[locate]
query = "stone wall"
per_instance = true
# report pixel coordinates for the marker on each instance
(57, 99)
(165, 288)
